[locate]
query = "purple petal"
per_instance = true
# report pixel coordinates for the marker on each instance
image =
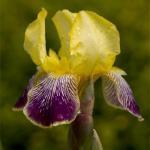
(53, 100)
(118, 94)
(23, 99)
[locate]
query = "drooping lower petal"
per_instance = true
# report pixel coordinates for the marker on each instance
(118, 93)
(23, 99)
(53, 101)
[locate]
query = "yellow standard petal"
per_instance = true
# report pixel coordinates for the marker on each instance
(63, 21)
(94, 43)
(34, 42)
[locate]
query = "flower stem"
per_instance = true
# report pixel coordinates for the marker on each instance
(81, 129)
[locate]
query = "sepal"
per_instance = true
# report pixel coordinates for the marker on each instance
(118, 93)
(53, 100)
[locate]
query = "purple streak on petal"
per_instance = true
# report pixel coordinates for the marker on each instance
(110, 92)
(54, 100)
(23, 99)
(118, 93)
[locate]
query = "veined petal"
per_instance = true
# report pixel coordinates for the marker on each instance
(23, 99)
(53, 101)
(118, 71)
(34, 42)
(64, 20)
(95, 39)
(118, 94)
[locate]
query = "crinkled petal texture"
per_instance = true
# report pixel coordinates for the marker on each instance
(94, 41)
(24, 97)
(34, 42)
(52, 100)
(118, 94)
(87, 39)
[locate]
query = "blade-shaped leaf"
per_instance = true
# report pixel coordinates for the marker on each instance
(96, 143)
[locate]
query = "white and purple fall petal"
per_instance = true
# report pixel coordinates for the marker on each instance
(118, 94)
(52, 100)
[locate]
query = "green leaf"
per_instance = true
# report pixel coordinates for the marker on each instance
(96, 143)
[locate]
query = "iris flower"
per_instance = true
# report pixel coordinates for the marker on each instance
(89, 46)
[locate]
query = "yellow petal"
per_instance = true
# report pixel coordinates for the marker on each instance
(51, 62)
(63, 21)
(95, 39)
(34, 42)
(118, 71)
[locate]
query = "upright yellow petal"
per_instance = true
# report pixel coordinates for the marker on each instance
(95, 40)
(63, 21)
(34, 42)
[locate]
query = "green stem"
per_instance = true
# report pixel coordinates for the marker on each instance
(82, 127)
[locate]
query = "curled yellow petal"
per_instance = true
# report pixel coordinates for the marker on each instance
(63, 21)
(34, 42)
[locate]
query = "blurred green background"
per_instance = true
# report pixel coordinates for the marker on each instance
(118, 130)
